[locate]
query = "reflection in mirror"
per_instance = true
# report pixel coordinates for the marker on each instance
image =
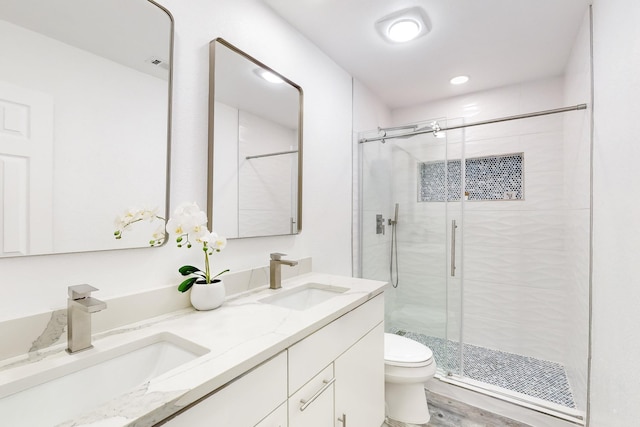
(255, 147)
(84, 117)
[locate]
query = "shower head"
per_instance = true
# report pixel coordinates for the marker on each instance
(394, 221)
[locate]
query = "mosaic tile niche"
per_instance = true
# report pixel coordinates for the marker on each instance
(485, 178)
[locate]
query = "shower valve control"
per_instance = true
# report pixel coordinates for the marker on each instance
(379, 224)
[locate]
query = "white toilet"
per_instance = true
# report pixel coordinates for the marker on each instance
(407, 366)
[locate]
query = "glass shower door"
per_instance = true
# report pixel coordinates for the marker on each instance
(414, 174)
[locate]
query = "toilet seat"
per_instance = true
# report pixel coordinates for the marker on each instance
(405, 352)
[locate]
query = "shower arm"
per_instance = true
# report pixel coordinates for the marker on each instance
(437, 128)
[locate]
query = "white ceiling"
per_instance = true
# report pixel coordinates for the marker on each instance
(495, 42)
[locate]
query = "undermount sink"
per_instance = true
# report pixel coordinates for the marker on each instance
(304, 296)
(64, 392)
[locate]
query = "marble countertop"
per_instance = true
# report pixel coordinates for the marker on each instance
(240, 335)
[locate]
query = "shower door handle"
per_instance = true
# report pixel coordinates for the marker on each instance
(453, 247)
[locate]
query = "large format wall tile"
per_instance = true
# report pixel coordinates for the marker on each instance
(515, 229)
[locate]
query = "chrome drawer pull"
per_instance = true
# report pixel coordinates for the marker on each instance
(306, 403)
(343, 420)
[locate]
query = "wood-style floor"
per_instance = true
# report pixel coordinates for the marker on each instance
(446, 412)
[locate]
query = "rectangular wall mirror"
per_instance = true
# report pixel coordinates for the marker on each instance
(84, 121)
(255, 147)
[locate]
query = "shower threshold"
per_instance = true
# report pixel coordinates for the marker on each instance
(538, 379)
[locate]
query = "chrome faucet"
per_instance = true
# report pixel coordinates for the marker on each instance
(80, 305)
(275, 274)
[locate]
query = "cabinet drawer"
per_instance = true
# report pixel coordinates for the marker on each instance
(312, 405)
(243, 402)
(312, 354)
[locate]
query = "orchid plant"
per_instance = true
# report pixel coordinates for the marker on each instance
(189, 226)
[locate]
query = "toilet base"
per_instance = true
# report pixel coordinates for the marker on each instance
(406, 403)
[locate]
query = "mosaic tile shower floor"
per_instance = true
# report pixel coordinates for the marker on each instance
(533, 377)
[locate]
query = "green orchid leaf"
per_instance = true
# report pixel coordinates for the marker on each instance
(220, 274)
(186, 285)
(186, 270)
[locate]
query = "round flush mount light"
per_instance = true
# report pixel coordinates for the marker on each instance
(404, 25)
(268, 75)
(459, 80)
(403, 30)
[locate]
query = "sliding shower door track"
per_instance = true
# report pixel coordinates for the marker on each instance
(558, 411)
(437, 128)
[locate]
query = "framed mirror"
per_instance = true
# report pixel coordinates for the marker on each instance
(255, 147)
(84, 122)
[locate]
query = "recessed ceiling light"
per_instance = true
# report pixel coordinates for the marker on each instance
(404, 25)
(268, 75)
(459, 80)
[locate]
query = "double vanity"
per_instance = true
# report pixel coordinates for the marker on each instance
(308, 354)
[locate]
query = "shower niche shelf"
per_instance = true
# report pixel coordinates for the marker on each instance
(498, 177)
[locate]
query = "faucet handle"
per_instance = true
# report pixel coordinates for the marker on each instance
(277, 256)
(80, 291)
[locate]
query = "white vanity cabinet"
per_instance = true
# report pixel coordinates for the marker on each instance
(334, 375)
(338, 372)
(247, 401)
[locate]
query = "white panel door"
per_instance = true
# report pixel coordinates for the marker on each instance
(26, 171)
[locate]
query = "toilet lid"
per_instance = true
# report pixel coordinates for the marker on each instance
(405, 350)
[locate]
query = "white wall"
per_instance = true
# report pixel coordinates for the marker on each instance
(615, 388)
(33, 284)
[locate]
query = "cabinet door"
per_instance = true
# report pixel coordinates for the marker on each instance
(240, 403)
(312, 405)
(359, 386)
(277, 418)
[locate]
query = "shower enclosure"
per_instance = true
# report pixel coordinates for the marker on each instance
(485, 231)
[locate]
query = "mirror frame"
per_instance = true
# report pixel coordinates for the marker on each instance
(210, 168)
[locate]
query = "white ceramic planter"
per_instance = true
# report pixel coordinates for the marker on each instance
(207, 296)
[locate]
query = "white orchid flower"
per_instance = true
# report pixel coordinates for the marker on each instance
(174, 226)
(158, 236)
(212, 242)
(218, 242)
(133, 215)
(149, 214)
(188, 222)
